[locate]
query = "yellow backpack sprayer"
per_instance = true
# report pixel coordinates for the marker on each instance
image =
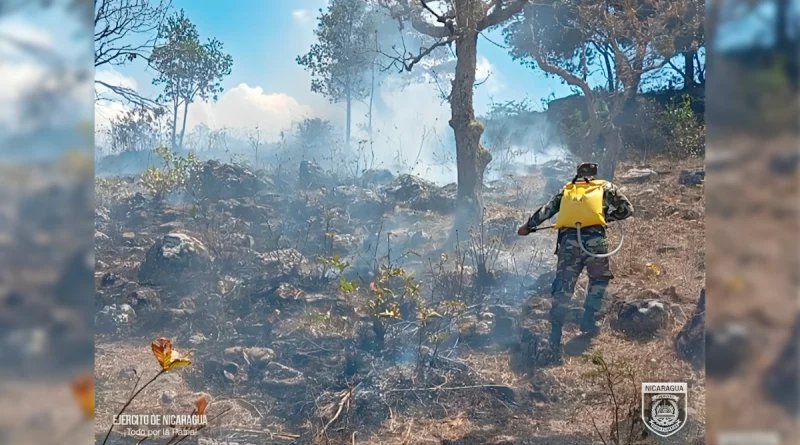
(582, 206)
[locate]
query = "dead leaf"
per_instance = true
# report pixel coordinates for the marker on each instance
(162, 350)
(83, 390)
(654, 268)
(200, 405)
(168, 358)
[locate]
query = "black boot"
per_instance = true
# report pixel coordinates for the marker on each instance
(588, 325)
(555, 342)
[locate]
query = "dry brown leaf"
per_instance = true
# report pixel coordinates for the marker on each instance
(200, 406)
(167, 357)
(83, 390)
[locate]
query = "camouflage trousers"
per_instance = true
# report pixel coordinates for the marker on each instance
(571, 262)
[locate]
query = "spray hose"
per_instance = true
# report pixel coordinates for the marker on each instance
(585, 250)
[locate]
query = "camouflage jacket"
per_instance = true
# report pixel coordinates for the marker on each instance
(612, 198)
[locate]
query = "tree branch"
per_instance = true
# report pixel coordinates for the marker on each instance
(678, 70)
(408, 61)
(570, 78)
(500, 14)
(430, 29)
(129, 95)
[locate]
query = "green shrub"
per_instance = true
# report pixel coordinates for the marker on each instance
(685, 135)
(172, 175)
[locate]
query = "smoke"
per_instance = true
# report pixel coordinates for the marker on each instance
(410, 129)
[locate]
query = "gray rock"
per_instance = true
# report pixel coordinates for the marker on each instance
(377, 177)
(284, 262)
(127, 372)
(641, 320)
(225, 181)
(727, 346)
(419, 194)
(543, 283)
(690, 342)
(693, 177)
(474, 332)
(558, 169)
(112, 318)
(167, 397)
(75, 281)
(784, 163)
(638, 175)
(780, 381)
(313, 177)
(143, 298)
(359, 202)
(174, 256)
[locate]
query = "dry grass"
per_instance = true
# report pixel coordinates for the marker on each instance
(752, 276)
(660, 235)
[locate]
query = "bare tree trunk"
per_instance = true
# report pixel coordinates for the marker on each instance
(607, 167)
(610, 71)
(701, 77)
(471, 157)
(371, 98)
(183, 124)
(349, 100)
(174, 122)
(782, 22)
(688, 69)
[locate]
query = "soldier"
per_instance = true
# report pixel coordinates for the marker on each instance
(592, 203)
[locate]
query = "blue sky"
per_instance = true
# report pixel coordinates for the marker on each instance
(265, 37)
(269, 90)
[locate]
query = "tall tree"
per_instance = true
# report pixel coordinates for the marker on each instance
(559, 37)
(690, 42)
(458, 23)
(341, 62)
(187, 69)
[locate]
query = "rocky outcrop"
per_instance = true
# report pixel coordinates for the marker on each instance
(693, 177)
(225, 181)
(377, 178)
(641, 320)
(111, 319)
(313, 177)
(728, 344)
(173, 257)
(638, 175)
(419, 194)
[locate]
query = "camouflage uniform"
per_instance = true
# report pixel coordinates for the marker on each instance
(572, 260)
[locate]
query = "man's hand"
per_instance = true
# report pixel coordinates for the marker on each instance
(524, 230)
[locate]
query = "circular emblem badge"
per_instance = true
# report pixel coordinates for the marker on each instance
(664, 413)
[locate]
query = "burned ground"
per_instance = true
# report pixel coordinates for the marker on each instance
(320, 311)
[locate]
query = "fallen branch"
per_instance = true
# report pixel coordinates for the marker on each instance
(347, 399)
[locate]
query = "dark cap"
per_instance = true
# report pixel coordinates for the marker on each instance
(587, 169)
